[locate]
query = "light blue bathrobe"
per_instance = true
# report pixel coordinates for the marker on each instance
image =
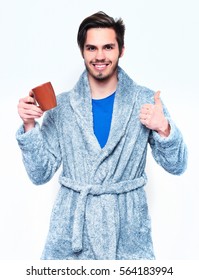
(101, 210)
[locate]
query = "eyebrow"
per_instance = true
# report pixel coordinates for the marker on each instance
(109, 44)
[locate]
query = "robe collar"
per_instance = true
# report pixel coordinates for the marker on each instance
(125, 98)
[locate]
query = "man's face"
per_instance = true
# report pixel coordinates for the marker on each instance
(101, 53)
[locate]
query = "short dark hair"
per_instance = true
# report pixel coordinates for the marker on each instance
(102, 20)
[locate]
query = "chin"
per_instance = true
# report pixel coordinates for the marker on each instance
(102, 76)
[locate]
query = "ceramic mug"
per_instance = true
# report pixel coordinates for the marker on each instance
(45, 96)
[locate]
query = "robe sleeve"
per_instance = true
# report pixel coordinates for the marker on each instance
(169, 152)
(40, 150)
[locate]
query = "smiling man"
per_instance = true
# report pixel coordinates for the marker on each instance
(100, 132)
(101, 55)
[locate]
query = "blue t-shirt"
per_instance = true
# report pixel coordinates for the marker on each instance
(102, 115)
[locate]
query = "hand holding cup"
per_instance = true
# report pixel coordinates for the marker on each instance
(28, 109)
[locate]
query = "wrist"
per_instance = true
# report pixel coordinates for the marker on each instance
(164, 130)
(28, 126)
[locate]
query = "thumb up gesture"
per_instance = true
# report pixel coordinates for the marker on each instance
(152, 116)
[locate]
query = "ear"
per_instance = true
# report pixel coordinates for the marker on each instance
(122, 52)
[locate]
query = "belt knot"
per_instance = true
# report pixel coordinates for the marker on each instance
(93, 189)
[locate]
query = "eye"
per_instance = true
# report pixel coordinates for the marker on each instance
(91, 48)
(109, 47)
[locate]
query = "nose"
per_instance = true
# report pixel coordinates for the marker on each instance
(100, 55)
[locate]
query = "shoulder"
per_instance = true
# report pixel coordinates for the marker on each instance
(145, 94)
(142, 93)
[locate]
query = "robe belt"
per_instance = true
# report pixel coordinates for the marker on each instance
(94, 189)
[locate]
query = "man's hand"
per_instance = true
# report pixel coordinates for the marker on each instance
(29, 111)
(152, 116)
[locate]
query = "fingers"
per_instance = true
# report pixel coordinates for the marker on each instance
(28, 110)
(146, 112)
(147, 109)
(145, 119)
(31, 98)
(157, 98)
(152, 115)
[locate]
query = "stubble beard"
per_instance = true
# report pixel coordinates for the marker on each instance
(100, 76)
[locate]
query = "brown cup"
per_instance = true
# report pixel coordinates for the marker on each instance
(45, 96)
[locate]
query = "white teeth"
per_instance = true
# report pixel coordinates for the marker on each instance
(100, 66)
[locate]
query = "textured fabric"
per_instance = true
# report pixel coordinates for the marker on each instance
(102, 115)
(101, 209)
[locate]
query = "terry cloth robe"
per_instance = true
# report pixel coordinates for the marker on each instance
(100, 211)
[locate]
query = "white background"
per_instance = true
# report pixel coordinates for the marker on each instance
(38, 44)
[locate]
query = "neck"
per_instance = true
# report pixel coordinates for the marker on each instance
(102, 88)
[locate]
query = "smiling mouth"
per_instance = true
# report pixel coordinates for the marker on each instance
(100, 66)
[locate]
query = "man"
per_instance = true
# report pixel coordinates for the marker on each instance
(99, 132)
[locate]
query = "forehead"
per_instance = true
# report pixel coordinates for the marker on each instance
(100, 36)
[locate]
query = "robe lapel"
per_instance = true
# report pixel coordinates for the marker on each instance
(122, 111)
(82, 107)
